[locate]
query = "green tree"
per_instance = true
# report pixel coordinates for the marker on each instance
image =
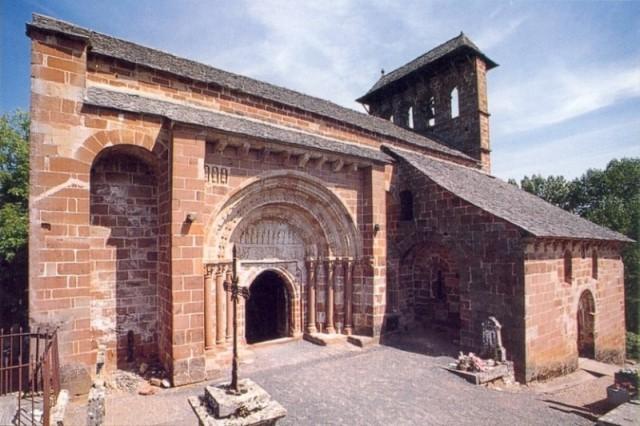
(611, 198)
(14, 191)
(554, 189)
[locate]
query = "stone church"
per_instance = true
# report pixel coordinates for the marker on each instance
(148, 169)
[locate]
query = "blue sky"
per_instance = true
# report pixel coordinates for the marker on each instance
(565, 98)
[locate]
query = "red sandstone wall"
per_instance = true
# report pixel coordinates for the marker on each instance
(551, 306)
(72, 261)
(65, 140)
(486, 254)
(346, 184)
(124, 255)
(148, 82)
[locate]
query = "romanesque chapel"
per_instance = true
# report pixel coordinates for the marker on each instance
(148, 170)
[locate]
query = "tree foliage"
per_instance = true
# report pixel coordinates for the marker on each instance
(14, 183)
(611, 198)
(14, 191)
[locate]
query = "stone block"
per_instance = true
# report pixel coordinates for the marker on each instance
(481, 377)
(75, 378)
(58, 410)
(324, 339)
(225, 404)
(96, 406)
(254, 406)
(362, 341)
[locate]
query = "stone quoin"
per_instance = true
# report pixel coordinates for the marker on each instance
(147, 169)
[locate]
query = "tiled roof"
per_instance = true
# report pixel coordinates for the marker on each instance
(233, 124)
(134, 53)
(457, 44)
(506, 201)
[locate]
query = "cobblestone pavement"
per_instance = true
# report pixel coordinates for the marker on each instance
(344, 385)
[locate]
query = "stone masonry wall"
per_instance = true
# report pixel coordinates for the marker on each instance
(193, 192)
(484, 254)
(124, 255)
(468, 132)
(120, 75)
(552, 305)
(66, 137)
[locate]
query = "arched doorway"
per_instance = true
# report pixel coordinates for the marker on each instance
(586, 322)
(267, 311)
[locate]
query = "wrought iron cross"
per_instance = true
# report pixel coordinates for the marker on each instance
(236, 292)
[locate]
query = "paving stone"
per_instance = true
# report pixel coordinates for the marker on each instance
(404, 384)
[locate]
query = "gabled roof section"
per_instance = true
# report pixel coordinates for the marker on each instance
(123, 101)
(506, 201)
(134, 53)
(459, 44)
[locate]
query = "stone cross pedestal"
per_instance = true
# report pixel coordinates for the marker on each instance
(241, 402)
(251, 406)
(492, 340)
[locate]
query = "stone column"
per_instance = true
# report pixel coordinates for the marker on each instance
(311, 297)
(209, 303)
(229, 310)
(330, 265)
(348, 293)
(219, 306)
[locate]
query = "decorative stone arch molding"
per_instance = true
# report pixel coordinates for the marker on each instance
(292, 286)
(295, 218)
(287, 278)
(307, 200)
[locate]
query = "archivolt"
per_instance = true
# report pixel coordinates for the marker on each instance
(301, 200)
(305, 227)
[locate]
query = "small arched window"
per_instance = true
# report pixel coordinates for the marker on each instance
(594, 265)
(410, 117)
(455, 103)
(406, 205)
(431, 112)
(568, 272)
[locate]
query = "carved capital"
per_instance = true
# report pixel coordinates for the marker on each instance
(348, 265)
(207, 270)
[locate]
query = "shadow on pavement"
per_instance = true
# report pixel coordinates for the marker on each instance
(423, 341)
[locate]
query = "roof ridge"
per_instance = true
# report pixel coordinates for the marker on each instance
(111, 46)
(429, 57)
(398, 69)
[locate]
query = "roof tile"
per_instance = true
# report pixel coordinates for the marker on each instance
(506, 201)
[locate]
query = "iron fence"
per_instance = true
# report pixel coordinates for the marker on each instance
(30, 372)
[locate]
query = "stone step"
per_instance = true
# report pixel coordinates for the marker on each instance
(324, 339)
(598, 368)
(362, 341)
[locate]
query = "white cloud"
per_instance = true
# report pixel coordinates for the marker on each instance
(491, 36)
(315, 48)
(571, 155)
(560, 93)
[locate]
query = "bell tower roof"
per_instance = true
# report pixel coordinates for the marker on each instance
(459, 45)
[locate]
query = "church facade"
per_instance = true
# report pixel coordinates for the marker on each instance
(148, 170)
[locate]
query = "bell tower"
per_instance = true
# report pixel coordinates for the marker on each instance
(441, 95)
